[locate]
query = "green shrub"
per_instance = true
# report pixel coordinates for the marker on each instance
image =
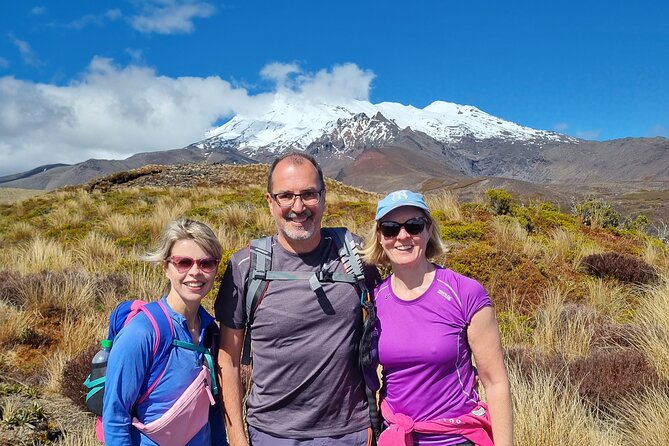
(463, 231)
(477, 261)
(595, 212)
(500, 201)
(544, 217)
(199, 212)
(639, 224)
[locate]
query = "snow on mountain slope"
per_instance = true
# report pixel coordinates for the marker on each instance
(292, 123)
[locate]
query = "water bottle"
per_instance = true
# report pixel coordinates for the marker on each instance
(98, 371)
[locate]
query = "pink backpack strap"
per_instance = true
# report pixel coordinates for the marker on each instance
(156, 346)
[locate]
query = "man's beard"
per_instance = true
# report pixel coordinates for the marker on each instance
(299, 234)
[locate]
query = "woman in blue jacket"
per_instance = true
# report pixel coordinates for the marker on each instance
(166, 398)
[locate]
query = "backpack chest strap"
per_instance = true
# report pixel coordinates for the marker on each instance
(320, 276)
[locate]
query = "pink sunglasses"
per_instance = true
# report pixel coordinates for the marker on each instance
(184, 264)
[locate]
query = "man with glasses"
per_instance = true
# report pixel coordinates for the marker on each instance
(307, 387)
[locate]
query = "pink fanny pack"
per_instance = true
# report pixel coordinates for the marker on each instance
(187, 416)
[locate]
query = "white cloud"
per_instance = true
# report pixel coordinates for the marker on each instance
(95, 19)
(38, 10)
(659, 130)
(113, 14)
(560, 126)
(113, 112)
(279, 72)
(27, 54)
(110, 112)
(342, 82)
(170, 16)
(588, 134)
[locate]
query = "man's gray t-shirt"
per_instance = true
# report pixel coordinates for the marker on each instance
(306, 379)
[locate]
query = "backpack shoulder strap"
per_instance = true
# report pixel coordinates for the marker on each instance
(260, 274)
(161, 322)
(347, 249)
(348, 252)
(260, 262)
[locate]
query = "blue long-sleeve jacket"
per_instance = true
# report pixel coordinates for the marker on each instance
(128, 370)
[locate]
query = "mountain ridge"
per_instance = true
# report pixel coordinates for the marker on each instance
(439, 144)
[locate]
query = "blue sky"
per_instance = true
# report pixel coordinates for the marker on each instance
(105, 79)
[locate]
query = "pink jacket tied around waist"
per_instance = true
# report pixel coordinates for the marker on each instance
(474, 426)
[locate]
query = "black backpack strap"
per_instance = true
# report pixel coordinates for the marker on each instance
(260, 258)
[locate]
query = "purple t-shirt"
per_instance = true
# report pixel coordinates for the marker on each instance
(423, 348)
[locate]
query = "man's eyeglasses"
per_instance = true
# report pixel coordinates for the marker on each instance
(287, 199)
(413, 226)
(184, 264)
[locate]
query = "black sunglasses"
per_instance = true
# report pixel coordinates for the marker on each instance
(413, 226)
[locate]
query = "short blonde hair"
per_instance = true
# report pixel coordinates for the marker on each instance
(181, 229)
(373, 252)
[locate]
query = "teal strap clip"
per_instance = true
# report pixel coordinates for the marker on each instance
(207, 356)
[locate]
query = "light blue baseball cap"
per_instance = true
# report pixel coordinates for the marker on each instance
(398, 199)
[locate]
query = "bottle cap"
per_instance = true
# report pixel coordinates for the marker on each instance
(106, 343)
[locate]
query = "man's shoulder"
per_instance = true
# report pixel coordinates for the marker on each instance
(343, 230)
(240, 257)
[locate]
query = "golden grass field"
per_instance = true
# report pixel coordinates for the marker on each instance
(10, 195)
(588, 356)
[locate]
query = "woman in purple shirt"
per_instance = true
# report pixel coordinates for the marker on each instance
(431, 321)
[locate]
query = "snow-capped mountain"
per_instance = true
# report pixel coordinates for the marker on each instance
(460, 140)
(295, 125)
(386, 146)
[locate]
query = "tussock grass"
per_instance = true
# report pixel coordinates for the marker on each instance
(14, 324)
(166, 210)
(103, 209)
(546, 413)
(8, 409)
(54, 364)
(10, 195)
(263, 221)
(231, 239)
(563, 328)
(118, 225)
(69, 292)
(561, 246)
(655, 254)
(235, 216)
(515, 326)
(609, 299)
(147, 281)
(511, 237)
(446, 203)
(40, 254)
(644, 418)
(84, 438)
(21, 231)
(86, 325)
(70, 256)
(96, 252)
(582, 250)
(64, 217)
(652, 316)
(84, 199)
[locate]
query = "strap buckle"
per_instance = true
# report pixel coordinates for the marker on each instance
(325, 276)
